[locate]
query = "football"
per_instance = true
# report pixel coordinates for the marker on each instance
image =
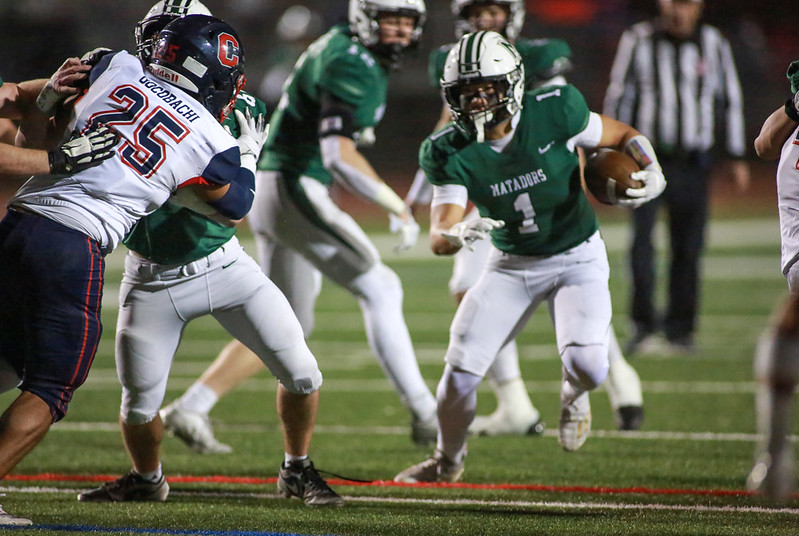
(607, 175)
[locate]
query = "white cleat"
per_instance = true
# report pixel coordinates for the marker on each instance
(575, 423)
(773, 476)
(506, 423)
(437, 468)
(192, 428)
(7, 520)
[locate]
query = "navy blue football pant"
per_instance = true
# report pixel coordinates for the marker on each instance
(686, 202)
(51, 280)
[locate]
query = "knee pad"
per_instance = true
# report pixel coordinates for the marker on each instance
(587, 365)
(303, 384)
(141, 407)
(135, 418)
(377, 283)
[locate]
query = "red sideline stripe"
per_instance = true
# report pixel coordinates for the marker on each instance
(222, 479)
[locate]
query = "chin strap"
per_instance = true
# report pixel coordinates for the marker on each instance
(480, 127)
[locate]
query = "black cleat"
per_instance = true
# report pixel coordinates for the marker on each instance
(300, 479)
(630, 417)
(130, 487)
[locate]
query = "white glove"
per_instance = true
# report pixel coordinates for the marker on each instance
(466, 232)
(408, 231)
(187, 197)
(654, 184)
(83, 151)
(252, 135)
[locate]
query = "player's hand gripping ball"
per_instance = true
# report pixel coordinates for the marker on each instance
(607, 175)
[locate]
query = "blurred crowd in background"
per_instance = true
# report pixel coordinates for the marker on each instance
(37, 35)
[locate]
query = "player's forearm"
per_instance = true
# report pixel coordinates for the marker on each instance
(442, 218)
(20, 161)
(348, 165)
(773, 134)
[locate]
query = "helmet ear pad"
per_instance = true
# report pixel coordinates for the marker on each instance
(203, 56)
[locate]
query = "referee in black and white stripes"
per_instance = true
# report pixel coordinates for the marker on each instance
(674, 79)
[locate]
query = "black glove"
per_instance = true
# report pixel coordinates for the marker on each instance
(83, 151)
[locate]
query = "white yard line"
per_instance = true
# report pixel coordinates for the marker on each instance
(536, 505)
(113, 427)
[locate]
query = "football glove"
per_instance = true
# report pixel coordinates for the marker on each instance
(463, 234)
(408, 231)
(793, 75)
(253, 132)
(654, 184)
(83, 151)
(68, 81)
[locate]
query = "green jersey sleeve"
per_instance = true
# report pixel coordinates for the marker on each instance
(355, 77)
(243, 102)
(435, 68)
(543, 59)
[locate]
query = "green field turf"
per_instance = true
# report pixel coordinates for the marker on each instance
(682, 474)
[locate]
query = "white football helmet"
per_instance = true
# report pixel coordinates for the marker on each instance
(161, 14)
(483, 65)
(513, 28)
(363, 16)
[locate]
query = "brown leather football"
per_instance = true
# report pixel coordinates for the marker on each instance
(607, 175)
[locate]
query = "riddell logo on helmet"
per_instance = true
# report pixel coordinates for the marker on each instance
(165, 74)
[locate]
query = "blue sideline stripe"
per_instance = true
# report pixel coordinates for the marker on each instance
(109, 530)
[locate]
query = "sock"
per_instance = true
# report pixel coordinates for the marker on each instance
(198, 398)
(623, 383)
(151, 476)
(290, 458)
(512, 398)
(457, 401)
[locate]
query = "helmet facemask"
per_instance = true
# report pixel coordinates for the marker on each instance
(513, 25)
(157, 18)
(364, 18)
(483, 82)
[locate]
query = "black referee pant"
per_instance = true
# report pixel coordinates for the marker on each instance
(686, 200)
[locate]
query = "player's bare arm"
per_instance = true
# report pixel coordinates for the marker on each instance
(773, 134)
(442, 218)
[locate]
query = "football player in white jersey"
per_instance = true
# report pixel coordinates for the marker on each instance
(777, 355)
(546, 235)
(182, 266)
(58, 229)
(546, 63)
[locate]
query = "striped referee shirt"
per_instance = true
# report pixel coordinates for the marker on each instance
(673, 90)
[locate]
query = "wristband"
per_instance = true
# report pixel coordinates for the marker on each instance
(790, 110)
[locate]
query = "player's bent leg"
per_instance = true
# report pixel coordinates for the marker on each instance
(623, 386)
(515, 413)
(22, 426)
(145, 482)
(584, 368)
(457, 401)
(188, 417)
(777, 374)
(379, 293)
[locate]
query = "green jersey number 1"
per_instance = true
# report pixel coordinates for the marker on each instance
(524, 205)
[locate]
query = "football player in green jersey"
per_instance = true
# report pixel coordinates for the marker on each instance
(183, 264)
(546, 62)
(331, 104)
(513, 154)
